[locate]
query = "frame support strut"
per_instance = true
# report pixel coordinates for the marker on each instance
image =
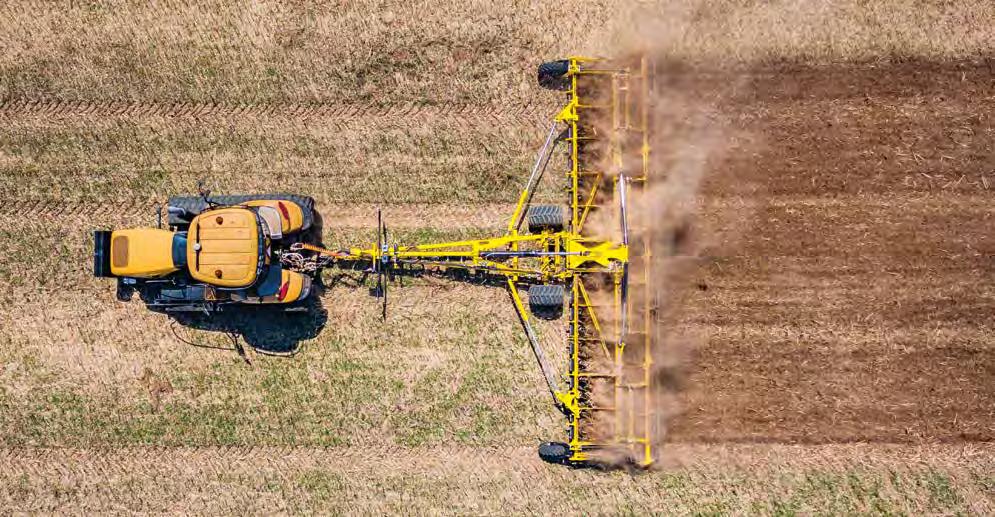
(542, 160)
(547, 370)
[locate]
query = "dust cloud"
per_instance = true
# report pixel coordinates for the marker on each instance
(686, 139)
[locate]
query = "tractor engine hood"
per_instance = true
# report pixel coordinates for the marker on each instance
(141, 252)
(225, 247)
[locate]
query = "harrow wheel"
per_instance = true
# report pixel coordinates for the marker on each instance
(546, 301)
(553, 75)
(543, 218)
(554, 452)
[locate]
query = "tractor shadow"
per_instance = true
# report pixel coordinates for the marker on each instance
(268, 330)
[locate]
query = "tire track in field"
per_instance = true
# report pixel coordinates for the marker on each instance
(335, 216)
(471, 113)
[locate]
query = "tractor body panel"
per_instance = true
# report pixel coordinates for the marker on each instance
(294, 286)
(291, 215)
(225, 247)
(102, 253)
(142, 253)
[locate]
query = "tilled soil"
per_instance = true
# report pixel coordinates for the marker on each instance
(850, 295)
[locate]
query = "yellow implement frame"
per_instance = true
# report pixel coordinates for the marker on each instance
(606, 105)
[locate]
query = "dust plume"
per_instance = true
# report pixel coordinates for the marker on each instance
(685, 139)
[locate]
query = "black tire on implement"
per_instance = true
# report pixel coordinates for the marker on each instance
(553, 75)
(554, 452)
(546, 301)
(193, 205)
(545, 218)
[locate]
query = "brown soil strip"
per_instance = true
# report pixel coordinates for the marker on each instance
(848, 287)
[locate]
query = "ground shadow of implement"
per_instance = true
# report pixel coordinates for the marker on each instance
(266, 329)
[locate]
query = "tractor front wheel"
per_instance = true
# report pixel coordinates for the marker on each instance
(124, 292)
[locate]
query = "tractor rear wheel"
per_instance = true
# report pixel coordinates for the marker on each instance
(553, 75)
(193, 205)
(182, 209)
(546, 301)
(545, 218)
(554, 452)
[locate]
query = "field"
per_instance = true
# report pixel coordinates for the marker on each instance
(843, 297)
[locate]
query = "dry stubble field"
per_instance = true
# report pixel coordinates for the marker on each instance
(849, 362)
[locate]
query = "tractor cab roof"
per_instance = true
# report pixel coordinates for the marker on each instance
(225, 247)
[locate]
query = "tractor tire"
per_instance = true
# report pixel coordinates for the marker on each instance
(546, 301)
(190, 207)
(554, 452)
(543, 218)
(193, 205)
(553, 75)
(124, 292)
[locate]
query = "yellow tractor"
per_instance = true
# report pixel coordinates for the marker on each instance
(217, 252)
(228, 251)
